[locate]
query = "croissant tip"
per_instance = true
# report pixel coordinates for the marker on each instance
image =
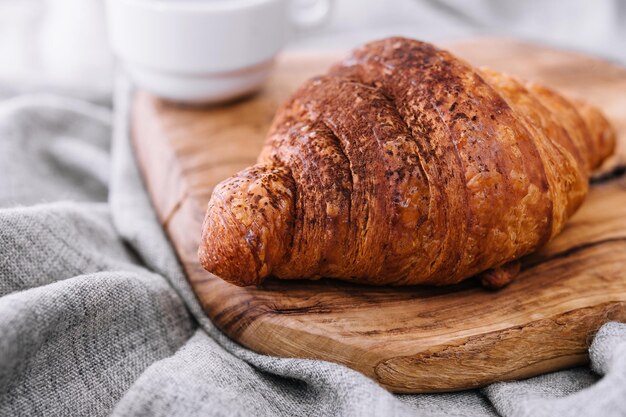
(225, 257)
(246, 228)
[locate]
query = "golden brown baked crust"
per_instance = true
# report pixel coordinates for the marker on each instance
(405, 165)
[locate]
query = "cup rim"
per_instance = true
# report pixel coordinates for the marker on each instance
(193, 6)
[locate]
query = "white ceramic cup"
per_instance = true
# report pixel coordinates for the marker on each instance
(205, 51)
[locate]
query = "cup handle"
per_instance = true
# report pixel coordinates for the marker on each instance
(309, 14)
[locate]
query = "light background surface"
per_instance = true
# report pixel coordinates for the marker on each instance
(62, 43)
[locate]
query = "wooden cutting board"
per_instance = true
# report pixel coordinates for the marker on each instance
(408, 339)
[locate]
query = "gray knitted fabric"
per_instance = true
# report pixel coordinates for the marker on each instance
(96, 316)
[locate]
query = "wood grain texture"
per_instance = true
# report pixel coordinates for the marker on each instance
(415, 339)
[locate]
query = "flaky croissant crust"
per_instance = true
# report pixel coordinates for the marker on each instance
(404, 165)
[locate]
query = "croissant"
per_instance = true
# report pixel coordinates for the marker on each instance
(404, 165)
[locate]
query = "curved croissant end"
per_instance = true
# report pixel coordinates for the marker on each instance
(603, 135)
(405, 165)
(250, 224)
